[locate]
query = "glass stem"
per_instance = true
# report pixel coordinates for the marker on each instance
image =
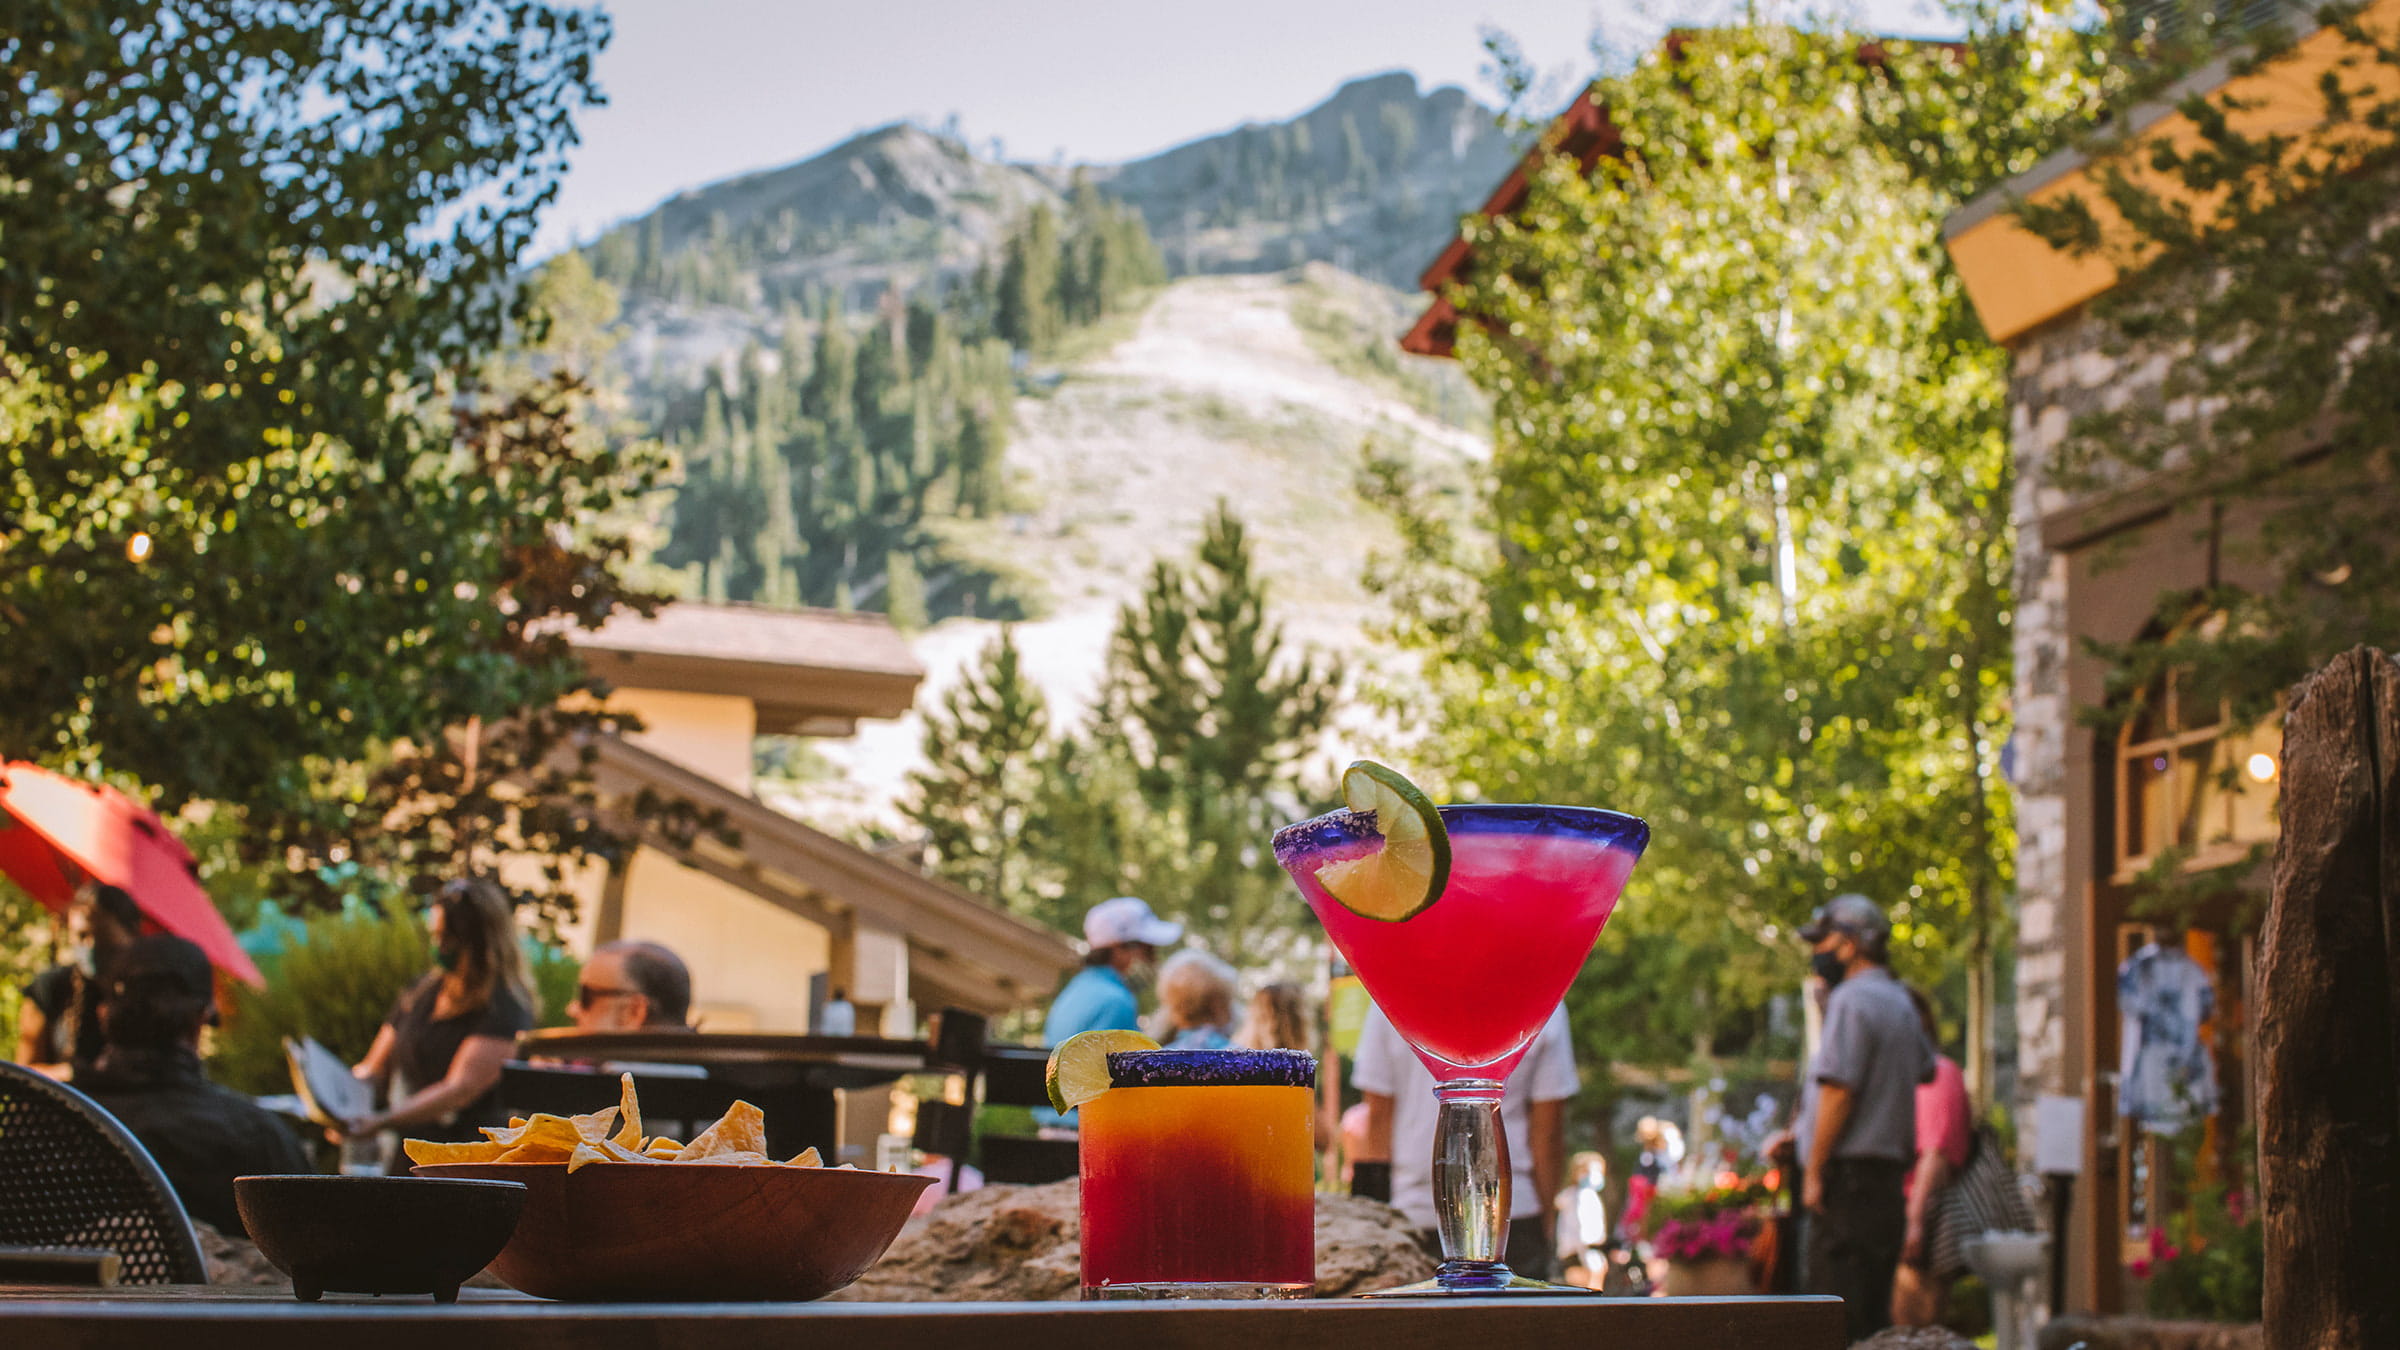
(1470, 1185)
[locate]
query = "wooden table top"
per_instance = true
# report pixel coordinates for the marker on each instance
(228, 1318)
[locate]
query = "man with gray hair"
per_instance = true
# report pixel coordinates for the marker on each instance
(1857, 1132)
(632, 984)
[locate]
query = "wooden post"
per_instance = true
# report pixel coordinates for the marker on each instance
(2329, 1016)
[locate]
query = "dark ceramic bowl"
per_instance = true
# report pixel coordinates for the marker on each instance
(695, 1232)
(378, 1235)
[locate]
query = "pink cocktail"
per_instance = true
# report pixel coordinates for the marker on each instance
(1469, 980)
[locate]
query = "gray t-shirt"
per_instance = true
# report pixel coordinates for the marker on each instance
(1873, 1045)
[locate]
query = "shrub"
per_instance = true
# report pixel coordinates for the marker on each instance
(335, 980)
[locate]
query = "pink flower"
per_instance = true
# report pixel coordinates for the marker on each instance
(2141, 1269)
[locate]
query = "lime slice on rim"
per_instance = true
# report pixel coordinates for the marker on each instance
(1078, 1068)
(1399, 880)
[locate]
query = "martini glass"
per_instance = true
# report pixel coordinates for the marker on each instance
(1469, 980)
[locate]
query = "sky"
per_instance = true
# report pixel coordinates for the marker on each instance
(701, 90)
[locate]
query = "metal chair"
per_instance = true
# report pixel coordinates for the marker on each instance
(72, 1177)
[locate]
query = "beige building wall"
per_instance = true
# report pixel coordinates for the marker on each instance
(706, 733)
(750, 961)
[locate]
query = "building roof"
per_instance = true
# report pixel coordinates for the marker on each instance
(2017, 282)
(1584, 130)
(961, 950)
(808, 670)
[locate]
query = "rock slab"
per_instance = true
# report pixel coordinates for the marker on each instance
(1021, 1243)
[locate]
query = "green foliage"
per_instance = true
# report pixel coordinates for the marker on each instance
(983, 779)
(2208, 1260)
(838, 469)
(237, 270)
(822, 473)
(300, 480)
(1169, 789)
(2265, 314)
(1213, 714)
(21, 958)
(335, 979)
(553, 971)
(1750, 558)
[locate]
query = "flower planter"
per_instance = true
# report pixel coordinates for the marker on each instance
(1715, 1277)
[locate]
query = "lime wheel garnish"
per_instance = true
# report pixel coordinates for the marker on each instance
(1078, 1068)
(1406, 874)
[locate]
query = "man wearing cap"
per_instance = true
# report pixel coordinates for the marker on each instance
(1857, 1132)
(1121, 939)
(148, 1076)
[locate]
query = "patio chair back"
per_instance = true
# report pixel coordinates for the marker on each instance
(71, 1176)
(997, 1074)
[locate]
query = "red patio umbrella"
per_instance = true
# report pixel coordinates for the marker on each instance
(55, 830)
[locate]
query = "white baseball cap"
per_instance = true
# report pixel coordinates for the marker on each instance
(1127, 918)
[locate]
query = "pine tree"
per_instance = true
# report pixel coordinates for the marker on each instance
(1028, 292)
(985, 750)
(1213, 715)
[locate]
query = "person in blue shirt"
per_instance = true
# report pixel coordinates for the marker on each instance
(1122, 938)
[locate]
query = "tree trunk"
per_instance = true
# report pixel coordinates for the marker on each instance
(2329, 1018)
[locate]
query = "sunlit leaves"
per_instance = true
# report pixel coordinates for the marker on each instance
(1751, 506)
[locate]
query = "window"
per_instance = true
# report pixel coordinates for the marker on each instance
(2185, 781)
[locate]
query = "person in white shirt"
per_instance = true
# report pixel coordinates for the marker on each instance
(1401, 1114)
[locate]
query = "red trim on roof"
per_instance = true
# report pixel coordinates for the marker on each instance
(1583, 129)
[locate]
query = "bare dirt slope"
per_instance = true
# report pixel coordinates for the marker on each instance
(1219, 393)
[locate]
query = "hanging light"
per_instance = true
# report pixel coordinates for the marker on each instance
(2262, 767)
(139, 547)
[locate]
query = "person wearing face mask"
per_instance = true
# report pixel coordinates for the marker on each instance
(1121, 938)
(58, 1025)
(439, 1053)
(1857, 1132)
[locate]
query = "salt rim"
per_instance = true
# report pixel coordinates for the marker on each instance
(1212, 1068)
(1341, 831)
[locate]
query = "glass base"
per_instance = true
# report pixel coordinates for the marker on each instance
(1163, 1289)
(1478, 1279)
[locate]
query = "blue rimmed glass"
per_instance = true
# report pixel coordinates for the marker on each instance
(1199, 1176)
(1469, 981)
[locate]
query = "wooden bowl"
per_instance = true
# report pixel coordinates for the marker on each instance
(694, 1232)
(377, 1235)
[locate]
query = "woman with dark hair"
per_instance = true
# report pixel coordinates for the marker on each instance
(58, 1026)
(439, 1054)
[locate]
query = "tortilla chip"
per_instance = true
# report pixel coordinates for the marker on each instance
(585, 1153)
(629, 1110)
(594, 1126)
(431, 1152)
(808, 1158)
(731, 1158)
(545, 1139)
(742, 1129)
(662, 1148)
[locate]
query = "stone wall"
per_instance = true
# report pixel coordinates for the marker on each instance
(2059, 372)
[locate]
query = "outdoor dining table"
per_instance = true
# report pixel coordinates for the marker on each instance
(794, 1078)
(235, 1318)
